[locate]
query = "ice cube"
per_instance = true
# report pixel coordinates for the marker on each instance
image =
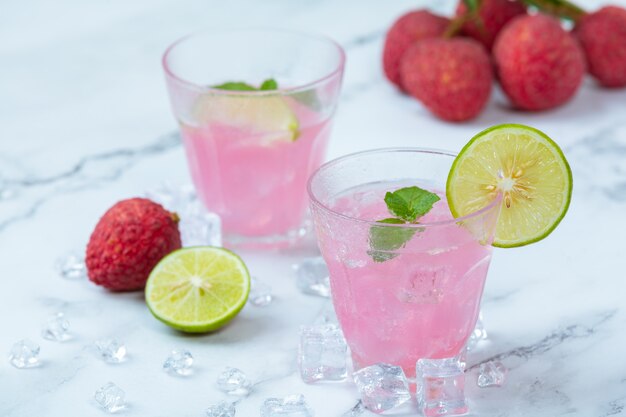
(71, 266)
(479, 333)
(322, 353)
(327, 316)
(491, 374)
(355, 411)
(382, 387)
(260, 293)
(425, 285)
(234, 382)
(221, 409)
(111, 350)
(199, 227)
(57, 328)
(24, 354)
(441, 387)
(312, 277)
(111, 398)
(179, 362)
(173, 197)
(290, 406)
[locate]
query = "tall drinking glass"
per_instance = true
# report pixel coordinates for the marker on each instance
(401, 292)
(254, 109)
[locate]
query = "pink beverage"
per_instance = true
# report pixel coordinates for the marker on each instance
(257, 186)
(255, 110)
(431, 289)
(419, 300)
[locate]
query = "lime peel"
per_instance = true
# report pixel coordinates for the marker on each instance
(198, 289)
(527, 168)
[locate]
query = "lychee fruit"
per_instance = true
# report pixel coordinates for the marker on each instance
(602, 35)
(409, 28)
(491, 17)
(128, 241)
(451, 77)
(539, 64)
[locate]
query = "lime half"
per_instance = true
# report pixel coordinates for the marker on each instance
(198, 289)
(266, 116)
(527, 168)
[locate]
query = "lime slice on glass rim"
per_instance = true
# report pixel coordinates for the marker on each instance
(266, 115)
(527, 168)
(198, 289)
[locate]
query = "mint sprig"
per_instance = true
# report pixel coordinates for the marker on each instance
(407, 205)
(267, 85)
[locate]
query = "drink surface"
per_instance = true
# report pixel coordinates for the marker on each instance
(422, 303)
(256, 184)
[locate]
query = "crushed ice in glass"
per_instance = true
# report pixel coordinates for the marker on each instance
(260, 293)
(198, 226)
(441, 387)
(491, 374)
(24, 354)
(111, 350)
(56, 328)
(110, 397)
(221, 409)
(179, 362)
(382, 387)
(322, 353)
(312, 277)
(477, 335)
(234, 382)
(355, 411)
(290, 406)
(71, 266)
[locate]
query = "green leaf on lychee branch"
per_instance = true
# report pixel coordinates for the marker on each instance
(559, 8)
(472, 5)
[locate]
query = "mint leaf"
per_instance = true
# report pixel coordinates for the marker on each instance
(235, 86)
(410, 203)
(383, 240)
(269, 84)
(407, 204)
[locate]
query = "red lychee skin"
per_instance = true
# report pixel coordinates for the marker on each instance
(409, 28)
(451, 77)
(128, 241)
(602, 35)
(494, 15)
(539, 64)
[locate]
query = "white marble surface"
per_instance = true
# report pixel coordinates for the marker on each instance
(84, 122)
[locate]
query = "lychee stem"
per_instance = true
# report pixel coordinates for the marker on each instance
(455, 26)
(560, 8)
(174, 216)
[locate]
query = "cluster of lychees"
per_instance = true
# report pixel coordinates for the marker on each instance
(450, 64)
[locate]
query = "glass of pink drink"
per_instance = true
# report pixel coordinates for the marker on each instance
(250, 152)
(418, 299)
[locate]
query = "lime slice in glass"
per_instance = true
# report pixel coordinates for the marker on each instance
(266, 116)
(198, 289)
(527, 168)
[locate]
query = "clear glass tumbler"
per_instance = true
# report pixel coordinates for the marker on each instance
(255, 110)
(401, 292)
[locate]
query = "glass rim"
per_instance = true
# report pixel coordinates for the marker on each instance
(336, 69)
(316, 202)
